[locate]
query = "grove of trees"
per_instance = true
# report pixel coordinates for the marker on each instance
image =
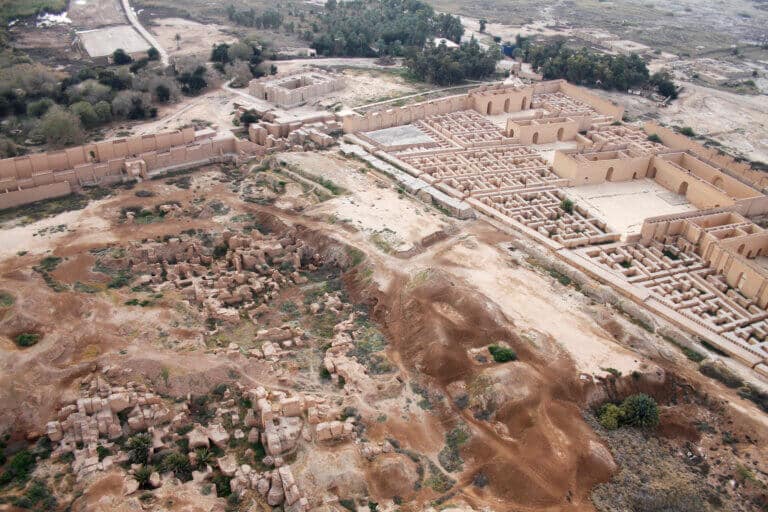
(370, 28)
(586, 67)
(447, 66)
(40, 105)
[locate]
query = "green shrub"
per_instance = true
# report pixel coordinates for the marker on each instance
(120, 57)
(722, 373)
(221, 482)
(36, 497)
(179, 464)
(19, 468)
(137, 448)
(640, 411)
(654, 138)
(102, 452)
(142, 475)
(567, 205)
(121, 279)
(49, 263)
(6, 300)
(502, 354)
(27, 339)
(610, 416)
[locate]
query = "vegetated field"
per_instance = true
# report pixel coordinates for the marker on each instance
(674, 27)
(204, 10)
(12, 9)
(160, 13)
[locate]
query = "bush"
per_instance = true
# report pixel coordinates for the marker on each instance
(36, 497)
(249, 117)
(86, 113)
(27, 339)
(502, 354)
(687, 131)
(103, 112)
(153, 54)
(142, 475)
(567, 206)
(137, 448)
(610, 416)
(640, 411)
(40, 107)
(120, 58)
(654, 138)
(6, 300)
(719, 371)
(19, 468)
(179, 464)
(61, 128)
(163, 93)
(221, 482)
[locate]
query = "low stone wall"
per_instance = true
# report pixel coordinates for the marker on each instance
(31, 195)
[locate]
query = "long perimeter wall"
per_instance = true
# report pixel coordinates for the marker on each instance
(489, 100)
(35, 177)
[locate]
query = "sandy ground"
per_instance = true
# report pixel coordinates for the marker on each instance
(215, 108)
(88, 14)
(365, 86)
(196, 38)
(608, 201)
(373, 207)
(538, 306)
(44, 235)
(739, 122)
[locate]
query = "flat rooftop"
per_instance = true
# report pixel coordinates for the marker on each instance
(103, 42)
(624, 206)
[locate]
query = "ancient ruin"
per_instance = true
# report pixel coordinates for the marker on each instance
(496, 167)
(30, 178)
(297, 88)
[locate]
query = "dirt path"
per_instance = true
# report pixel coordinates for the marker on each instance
(134, 20)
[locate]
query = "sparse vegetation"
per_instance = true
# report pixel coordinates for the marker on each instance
(137, 448)
(449, 456)
(27, 339)
(502, 354)
(638, 410)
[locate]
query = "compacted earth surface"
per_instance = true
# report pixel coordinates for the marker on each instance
(298, 334)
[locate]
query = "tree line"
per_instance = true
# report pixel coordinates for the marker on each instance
(441, 65)
(589, 68)
(40, 105)
(370, 28)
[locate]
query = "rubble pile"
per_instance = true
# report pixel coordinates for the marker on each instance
(93, 421)
(239, 272)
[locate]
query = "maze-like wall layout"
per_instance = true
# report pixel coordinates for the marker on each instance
(611, 138)
(465, 155)
(472, 158)
(560, 104)
(684, 283)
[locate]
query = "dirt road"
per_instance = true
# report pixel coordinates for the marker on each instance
(134, 20)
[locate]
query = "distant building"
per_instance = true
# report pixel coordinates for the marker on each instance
(447, 42)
